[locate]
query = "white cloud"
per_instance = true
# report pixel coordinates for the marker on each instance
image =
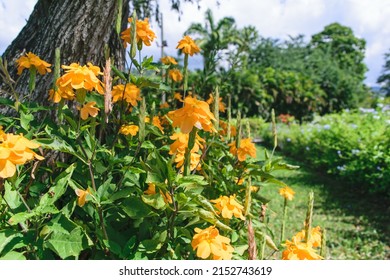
(13, 16)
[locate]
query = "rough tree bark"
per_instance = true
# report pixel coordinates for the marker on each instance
(81, 28)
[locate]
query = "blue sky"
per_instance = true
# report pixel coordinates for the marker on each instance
(369, 19)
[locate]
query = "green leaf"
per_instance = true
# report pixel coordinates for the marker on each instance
(154, 200)
(135, 208)
(25, 120)
(6, 236)
(12, 255)
(56, 191)
(67, 244)
(148, 145)
(11, 196)
(21, 217)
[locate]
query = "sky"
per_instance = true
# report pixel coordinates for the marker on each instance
(369, 19)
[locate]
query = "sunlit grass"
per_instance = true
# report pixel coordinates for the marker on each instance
(356, 225)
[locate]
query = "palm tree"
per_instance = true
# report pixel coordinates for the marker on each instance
(213, 39)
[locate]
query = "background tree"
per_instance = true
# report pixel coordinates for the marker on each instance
(214, 38)
(384, 78)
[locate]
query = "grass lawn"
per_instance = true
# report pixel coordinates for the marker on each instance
(357, 224)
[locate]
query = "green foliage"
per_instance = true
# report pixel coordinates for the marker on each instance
(352, 145)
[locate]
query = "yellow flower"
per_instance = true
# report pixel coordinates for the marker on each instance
(157, 123)
(132, 94)
(80, 77)
(31, 60)
(193, 113)
(208, 242)
(297, 250)
(164, 105)
(89, 109)
(175, 75)
(315, 237)
(228, 206)
(62, 93)
(221, 105)
(188, 46)
(246, 148)
(287, 193)
(129, 129)
(15, 150)
(144, 33)
(179, 148)
(178, 96)
(152, 190)
(82, 196)
(168, 60)
(224, 126)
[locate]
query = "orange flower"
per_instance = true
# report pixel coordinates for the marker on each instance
(208, 242)
(179, 148)
(63, 93)
(315, 237)
(144, 33)
(221, 105)
(178, 96)
(164, 105)
(129, 129)
(228, 206)
(175, 75)
(31, 60)
(297, 250)
(89, 109)
(246, 148)
(194, 113)
(157, 123)
(152, 190)
(82, 196)
(287, 193)
(224, 126)
(131, 94)
(188, 46)
(78, 77)
(168, 60)
(15, 150)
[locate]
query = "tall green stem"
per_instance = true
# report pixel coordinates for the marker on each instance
(282, 231)
(185, 74)
(187, 158)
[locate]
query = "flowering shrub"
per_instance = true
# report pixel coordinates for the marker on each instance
(117, 177)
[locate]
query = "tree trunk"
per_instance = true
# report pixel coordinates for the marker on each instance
(80, 28)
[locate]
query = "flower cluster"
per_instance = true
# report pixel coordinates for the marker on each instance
(15, 150)
(143, 33)
(194, 113)
(127, 129)
(31, 60)
(228, 206)
(175, 75)
(178, 148)
(247, 148)
(208, 242)
(129, 93)
(300, 249)
(287, 193)
(168, 60)
(221, 105)
(76, 80)
(188, 46)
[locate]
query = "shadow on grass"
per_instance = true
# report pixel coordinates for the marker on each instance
(369, 210)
